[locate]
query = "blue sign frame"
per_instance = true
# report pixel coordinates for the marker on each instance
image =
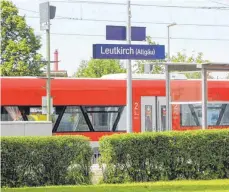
(138, 33)
(118, 33)
(125, 51)
(115, 33)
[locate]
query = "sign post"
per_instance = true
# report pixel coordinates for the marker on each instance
(129, 75)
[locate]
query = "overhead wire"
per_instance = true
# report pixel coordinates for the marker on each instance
(175, 38)
(118, 21)
(149, 22)
(145, 22)
(219, 3)
(148, 5)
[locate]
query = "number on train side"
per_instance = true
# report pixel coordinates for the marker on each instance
(136, 108)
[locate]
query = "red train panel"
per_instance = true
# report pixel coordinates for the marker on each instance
(85, 93)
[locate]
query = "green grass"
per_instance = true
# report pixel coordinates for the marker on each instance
(172, 186)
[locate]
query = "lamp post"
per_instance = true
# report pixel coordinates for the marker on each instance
(170, 25)
(168, 126)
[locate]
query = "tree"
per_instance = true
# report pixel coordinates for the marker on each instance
(179, 57)
(182, 57)
(19, 55)
(99, 67)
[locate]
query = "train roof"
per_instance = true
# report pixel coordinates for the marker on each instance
(117, 76)
(144, 76)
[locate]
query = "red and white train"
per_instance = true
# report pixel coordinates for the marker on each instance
(97, 107)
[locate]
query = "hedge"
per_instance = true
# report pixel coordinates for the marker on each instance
(142, 157)
(39, 161)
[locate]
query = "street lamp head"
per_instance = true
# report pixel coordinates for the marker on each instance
(172, 24)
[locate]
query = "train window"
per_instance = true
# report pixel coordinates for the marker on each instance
(69, 118)
(225, 117)
(99, 109)
(102, 118)
(11, 113)
(24, 113)
(103, 121)
(121, 124)
(72, 120)
(191, 114)
(35, 114)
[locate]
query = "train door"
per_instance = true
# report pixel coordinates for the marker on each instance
(148, 113)
(153, 114)
(161, 114)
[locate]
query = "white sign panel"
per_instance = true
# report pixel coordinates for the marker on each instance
(44, 105)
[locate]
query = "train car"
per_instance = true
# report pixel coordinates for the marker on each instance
(97, 106)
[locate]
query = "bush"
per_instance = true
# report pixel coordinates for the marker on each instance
(37, 161)
(141, 157)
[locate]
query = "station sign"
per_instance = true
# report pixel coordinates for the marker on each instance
(125, 51)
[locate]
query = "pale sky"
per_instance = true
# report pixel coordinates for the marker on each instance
(74, 48)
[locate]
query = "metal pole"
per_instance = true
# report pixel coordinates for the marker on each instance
(48, 84)
(146, 69)
(167, 77)
(168, 44)
(204, 97)
(129, 74)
